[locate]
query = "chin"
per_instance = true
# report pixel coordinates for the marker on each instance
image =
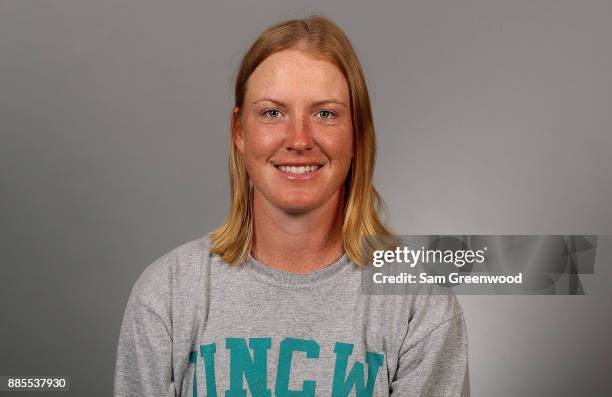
(298, 206)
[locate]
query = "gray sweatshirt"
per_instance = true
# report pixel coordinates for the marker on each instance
(196, 326)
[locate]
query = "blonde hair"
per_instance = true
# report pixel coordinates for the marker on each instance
(362, 229)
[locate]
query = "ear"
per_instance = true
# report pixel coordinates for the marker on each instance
(237, 133)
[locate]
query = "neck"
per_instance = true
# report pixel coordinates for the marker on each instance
(298, 242)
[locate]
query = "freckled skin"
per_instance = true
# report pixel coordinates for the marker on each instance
(282, 122)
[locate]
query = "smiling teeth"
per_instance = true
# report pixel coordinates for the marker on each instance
(298, 170)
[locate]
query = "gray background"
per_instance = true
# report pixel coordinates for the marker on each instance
(493, 117)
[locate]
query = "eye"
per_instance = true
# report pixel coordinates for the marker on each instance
(325, 114)
(272, 113)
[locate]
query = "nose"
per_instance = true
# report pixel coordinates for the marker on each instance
(299, 137)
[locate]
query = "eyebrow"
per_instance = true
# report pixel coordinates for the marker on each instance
(284, 105)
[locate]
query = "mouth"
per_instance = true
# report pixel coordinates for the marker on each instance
(299, 171)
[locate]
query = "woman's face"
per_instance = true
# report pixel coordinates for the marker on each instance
(295, 132)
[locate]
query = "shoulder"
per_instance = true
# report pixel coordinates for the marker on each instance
(433, 307)
(420, 311)
(159, 278)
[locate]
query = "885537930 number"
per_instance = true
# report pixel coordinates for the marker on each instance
(34, 383)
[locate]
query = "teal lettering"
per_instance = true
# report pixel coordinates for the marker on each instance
(193, 358)
(254, 369)
(208, 354)
(342, 384)
(283, 371)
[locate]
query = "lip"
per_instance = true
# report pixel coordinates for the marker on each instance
(299, 177)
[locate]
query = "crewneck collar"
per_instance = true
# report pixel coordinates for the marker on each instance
(277, 276)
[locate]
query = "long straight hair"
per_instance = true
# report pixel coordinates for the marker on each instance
(362, 229)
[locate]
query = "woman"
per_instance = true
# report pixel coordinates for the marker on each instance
(271, 301)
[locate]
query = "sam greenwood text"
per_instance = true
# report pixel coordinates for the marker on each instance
(453, 278)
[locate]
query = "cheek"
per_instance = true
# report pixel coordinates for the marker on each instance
(261, 143)
(340, 146)
(349, 145)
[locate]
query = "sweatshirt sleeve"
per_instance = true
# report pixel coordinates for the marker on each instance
(144, 353)
(435, 363)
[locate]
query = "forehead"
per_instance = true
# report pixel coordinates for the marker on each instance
(295, 73)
